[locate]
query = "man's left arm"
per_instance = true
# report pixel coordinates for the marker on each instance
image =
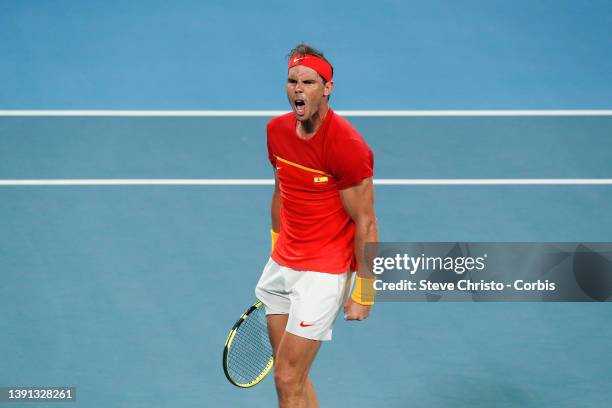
(358, 202)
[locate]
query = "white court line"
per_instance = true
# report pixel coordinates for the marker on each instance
(266, 182)
(489, 182)
(270, 113)
(138, 182)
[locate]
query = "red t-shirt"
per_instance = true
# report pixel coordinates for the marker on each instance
(316, 233)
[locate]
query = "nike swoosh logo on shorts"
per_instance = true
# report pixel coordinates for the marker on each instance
(302, 324)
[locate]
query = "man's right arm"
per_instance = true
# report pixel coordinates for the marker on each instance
(275, 206)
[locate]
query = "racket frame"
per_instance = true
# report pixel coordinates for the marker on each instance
(228, 346)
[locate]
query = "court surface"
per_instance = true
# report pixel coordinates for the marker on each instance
(128, 292)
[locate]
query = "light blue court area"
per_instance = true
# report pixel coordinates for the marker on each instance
(235, 147)
(128, 292)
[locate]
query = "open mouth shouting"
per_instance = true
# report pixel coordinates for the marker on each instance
(300, 106)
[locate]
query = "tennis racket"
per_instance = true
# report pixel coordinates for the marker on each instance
(247, 355)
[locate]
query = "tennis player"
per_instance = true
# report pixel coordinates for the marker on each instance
(322, 215)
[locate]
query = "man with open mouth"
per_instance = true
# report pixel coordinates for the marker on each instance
(322, 215)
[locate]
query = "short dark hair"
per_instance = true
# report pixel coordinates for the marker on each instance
(303, 48)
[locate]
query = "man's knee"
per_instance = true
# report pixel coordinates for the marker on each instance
(289, 380)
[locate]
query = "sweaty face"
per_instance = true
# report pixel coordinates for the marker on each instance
(305, 91)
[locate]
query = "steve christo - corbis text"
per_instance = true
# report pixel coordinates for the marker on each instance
(458, 265)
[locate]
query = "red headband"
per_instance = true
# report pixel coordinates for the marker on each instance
(318, 64)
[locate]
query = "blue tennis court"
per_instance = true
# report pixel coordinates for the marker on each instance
(127, 292)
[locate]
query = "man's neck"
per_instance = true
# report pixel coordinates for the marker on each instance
(308, 128)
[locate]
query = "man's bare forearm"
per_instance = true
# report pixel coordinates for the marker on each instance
(358, 202)
(366, 230)
(275, 208)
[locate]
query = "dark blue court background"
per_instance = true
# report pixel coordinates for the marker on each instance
(437, 54)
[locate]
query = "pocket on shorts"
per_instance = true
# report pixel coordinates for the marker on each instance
(317, 296)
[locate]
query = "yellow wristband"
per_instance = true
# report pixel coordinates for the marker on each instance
(274, 238)
(364, 291)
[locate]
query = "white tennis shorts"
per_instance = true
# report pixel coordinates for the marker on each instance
(311, 299)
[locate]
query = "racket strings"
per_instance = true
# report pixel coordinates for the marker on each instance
(250, 351)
